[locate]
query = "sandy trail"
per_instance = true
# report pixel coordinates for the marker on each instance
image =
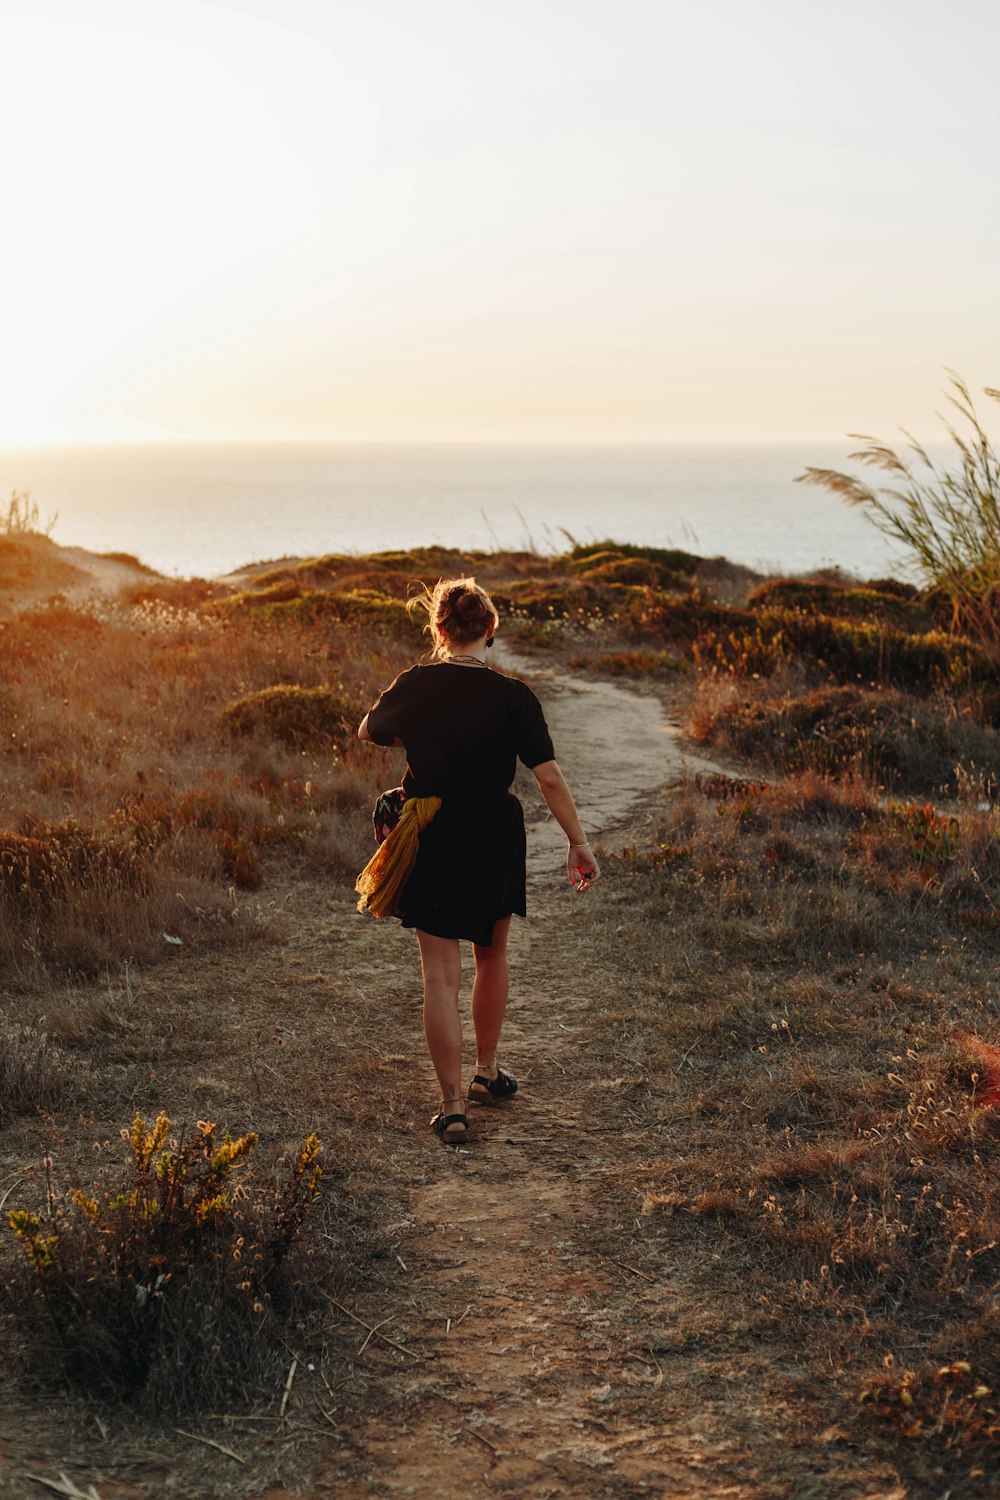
(617, 747)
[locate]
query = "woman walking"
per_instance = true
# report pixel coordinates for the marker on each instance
(464, 727)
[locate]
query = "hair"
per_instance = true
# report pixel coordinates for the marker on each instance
(458, 612)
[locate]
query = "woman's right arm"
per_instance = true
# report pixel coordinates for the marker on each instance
(366, 737)
(581, 866)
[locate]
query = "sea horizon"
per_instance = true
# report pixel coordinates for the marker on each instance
(199, 507)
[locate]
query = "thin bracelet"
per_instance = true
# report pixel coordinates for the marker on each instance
(584, 845)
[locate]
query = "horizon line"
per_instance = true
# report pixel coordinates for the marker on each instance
(412, 442)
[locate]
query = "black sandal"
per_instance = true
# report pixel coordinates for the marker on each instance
(503, 1086)
(442, 1122)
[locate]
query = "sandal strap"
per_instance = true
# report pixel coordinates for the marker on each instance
(502, 1086)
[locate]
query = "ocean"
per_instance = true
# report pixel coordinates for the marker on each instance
(207, 509)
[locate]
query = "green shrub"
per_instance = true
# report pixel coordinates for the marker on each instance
(673, 559)
(654, 616)
(290, 602)
(844, 650)
(541, 599)
(910, 743)
(178, 593)
(656, 569)
(304, 718)
(170, 1287)
(372, 610)
(903, 610)
(130, 560)
(920, 662)
(632, 663)
(632, 570)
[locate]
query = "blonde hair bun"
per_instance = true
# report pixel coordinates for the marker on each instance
(458, 612)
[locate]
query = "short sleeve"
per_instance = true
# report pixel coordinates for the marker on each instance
(534, 743)
(386, 717)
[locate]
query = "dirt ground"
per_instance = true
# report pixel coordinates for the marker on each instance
(534, 1335)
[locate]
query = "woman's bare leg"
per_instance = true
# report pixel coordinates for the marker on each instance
(441, 965)
(489, 998)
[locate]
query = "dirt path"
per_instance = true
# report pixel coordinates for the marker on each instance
(618, 749)
(567, 1355)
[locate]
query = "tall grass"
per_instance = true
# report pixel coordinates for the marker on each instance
(21, 517)
(946, 517)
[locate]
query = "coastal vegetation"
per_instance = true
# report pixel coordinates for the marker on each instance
(796, 958)
(945, 514)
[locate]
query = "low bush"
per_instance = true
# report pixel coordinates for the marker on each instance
(650, 568)
(632, 570)
(674, 560)
(654, 617)
(844, 650)
(632, 663)
(922, 853)
(177, 593)
(890, 603)
(130, 560)
(235, 825)
(304, 718)
(572, 600)
(170, 1288)
(762, 857)
(911, 744)
(292, 603)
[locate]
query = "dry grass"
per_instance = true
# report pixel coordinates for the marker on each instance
(132, 809)
(794, 970)
(36, 1074)
(820, 1027)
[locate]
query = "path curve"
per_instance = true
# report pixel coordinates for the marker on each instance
(617, 748)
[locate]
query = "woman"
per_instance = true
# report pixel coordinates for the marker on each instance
(463, 728)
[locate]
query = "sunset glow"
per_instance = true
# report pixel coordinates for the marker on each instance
(284, 219)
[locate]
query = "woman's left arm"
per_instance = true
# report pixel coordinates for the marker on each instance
(581, 865)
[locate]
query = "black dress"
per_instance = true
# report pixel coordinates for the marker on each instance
(464, 729)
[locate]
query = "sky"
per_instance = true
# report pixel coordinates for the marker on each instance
(520, 220)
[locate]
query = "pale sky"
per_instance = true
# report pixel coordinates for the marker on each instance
(520, 219)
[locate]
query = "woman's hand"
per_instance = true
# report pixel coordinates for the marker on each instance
(581, 866)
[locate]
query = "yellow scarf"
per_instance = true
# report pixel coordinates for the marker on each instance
(388, 870)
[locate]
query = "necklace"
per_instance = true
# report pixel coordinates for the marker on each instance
(469, 661)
